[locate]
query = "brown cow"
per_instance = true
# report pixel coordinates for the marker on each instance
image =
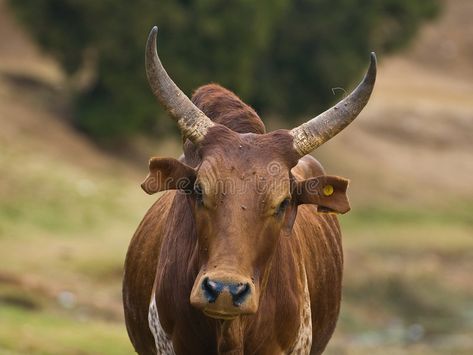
(243, 255)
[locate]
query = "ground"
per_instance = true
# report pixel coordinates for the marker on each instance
(68, 209)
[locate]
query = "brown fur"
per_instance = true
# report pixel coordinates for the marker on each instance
(224, 107)
(167, 247)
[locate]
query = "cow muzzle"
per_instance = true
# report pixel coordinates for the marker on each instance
(224, 296)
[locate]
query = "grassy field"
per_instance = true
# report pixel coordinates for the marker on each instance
(63, 240)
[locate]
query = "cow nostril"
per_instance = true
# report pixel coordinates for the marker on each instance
(211, 289)
(239, 293)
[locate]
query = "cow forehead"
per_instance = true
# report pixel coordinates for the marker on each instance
(260, 179)
(245, 150)
(248, 163)
(245, 164)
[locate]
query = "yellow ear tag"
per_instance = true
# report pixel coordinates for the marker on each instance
(328, 190)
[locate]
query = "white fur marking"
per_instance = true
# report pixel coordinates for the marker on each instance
(161, 339)
(303, 343)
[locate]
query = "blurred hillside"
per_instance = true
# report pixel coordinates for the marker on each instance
(68, 208)
(414, 141)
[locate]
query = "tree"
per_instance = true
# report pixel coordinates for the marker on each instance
(282, 56)
(323, 44)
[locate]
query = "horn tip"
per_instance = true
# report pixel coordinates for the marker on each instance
(373, 58)
(153, 33)
(152, 38)
(373, 67)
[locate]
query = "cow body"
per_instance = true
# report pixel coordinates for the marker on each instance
(300, 289)
(164, 245)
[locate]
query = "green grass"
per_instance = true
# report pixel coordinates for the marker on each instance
(458, 214)
(406, 270)
(409, 231)
(60, 198)
(47, 332)
(63, 229)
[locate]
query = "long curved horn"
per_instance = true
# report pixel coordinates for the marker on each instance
(320, 129)
(192, 122)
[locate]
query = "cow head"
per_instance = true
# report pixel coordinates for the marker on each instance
(242, 193)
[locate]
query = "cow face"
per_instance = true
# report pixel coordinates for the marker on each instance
(243, 198)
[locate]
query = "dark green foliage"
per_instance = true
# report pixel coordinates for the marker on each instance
(282, 56)
(324, 44)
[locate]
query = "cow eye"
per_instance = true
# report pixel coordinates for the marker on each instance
(198, 194)
(282, 207)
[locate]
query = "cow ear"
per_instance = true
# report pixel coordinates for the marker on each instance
(168, 174)
(329, 193)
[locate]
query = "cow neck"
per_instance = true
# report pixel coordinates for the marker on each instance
(230, 337)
